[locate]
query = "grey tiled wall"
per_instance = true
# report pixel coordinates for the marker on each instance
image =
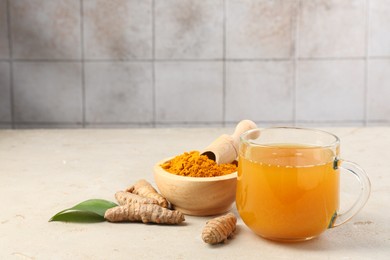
(157, 63)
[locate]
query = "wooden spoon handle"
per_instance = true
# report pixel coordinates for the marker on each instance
(224, 149)
(241, 128)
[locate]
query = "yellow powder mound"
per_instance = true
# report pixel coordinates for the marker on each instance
(193, 164)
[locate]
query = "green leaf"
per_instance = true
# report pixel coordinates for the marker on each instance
(77, 216)
(88, 211)
(97, 206)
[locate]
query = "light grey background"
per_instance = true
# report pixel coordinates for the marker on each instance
(158, 63)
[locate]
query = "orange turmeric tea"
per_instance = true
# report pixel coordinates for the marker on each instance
(287, 192)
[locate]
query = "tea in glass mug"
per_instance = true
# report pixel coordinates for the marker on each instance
(288, 183)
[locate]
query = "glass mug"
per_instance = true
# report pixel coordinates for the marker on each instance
(288, 183)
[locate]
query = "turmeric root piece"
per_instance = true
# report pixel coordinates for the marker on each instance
(219, 229)
(124, 197)
(136, 211)
(145, 189)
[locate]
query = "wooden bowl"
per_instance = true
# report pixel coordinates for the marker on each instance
(197, 196)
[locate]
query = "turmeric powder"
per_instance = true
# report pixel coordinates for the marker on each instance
(193, 164)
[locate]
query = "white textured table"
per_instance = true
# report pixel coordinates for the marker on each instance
(45, 171)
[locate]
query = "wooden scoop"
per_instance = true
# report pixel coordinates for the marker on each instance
(224, 149)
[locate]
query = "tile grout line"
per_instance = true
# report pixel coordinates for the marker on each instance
(224, 64)
(202, 60)
(295, 35)
(335, 123)
(366, 61)
(83, 87)
(11, 65)
(154, 106)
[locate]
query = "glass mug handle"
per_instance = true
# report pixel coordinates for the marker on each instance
(365, 188)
